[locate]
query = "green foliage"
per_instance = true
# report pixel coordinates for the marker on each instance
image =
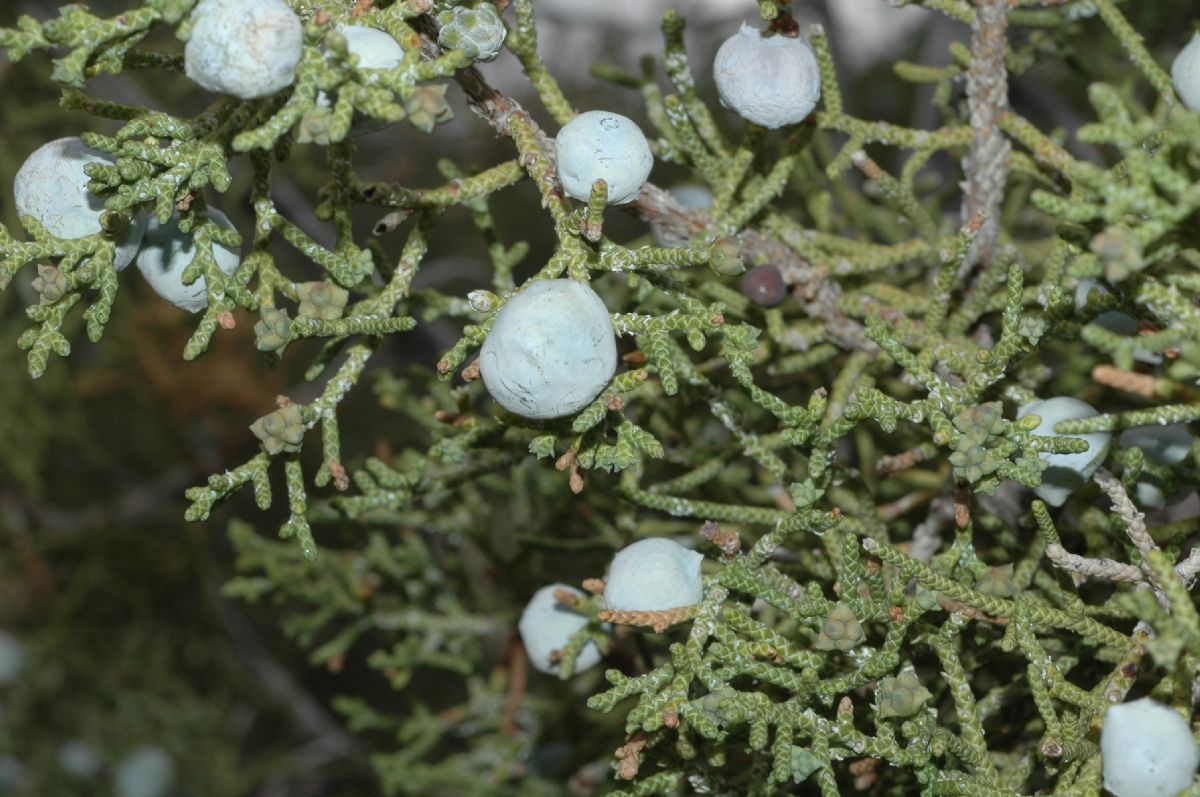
(891, 596)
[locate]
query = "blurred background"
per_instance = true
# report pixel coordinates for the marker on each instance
(124, 669)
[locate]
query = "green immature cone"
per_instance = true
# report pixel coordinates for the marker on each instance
(901, 696)
(840, 631)
(321, 300)
(427, 107)
(1119, 251)
(281, 430)
(478, 32)
(51, 284)
(274, 331)
(1032, 328)
(726, 259)
(315, 127)
(972, 463)
(803, 763)
(980, 423)
(997, 581)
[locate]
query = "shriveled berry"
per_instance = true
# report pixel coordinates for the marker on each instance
(764, 286)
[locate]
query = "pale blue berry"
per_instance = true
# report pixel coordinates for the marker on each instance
(1065, 473)
(652, 575)
(52, 187)
(246, 48)
(550, 351)
(146, 772)
(1147, 750)
(1167, 445)
(771, 81)
(599, 145)
(546, 626)
(373, 48)
(167, 252)
(1185, 74)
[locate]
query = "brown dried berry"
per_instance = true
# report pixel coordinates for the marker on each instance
(764, 286)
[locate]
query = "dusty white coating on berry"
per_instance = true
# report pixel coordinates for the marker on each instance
(1147, 750)
(1166, 445)
(550, 351)
(374, 48)
(1066, 472)
(148, 771)
(546, 626)
(166, 252)
(51, 186)
(771, 81)
(1185, 74)
(247, 48)
(1113, 320)
(653, 574)
(599, 145)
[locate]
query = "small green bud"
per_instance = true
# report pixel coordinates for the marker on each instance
(841, 630)
(113, 223)
(1031, 327)
(725, 258)
(972, 464)
(51, 283)
(997, 581)
(980, 423)
(482, 301)
(901, 696)
(281, 430)
(479, 32)
(274, 331)
(321, 300)
(315, 126)
(803, 763)
(427, 107)
(1028, 423)
(1120, 252)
